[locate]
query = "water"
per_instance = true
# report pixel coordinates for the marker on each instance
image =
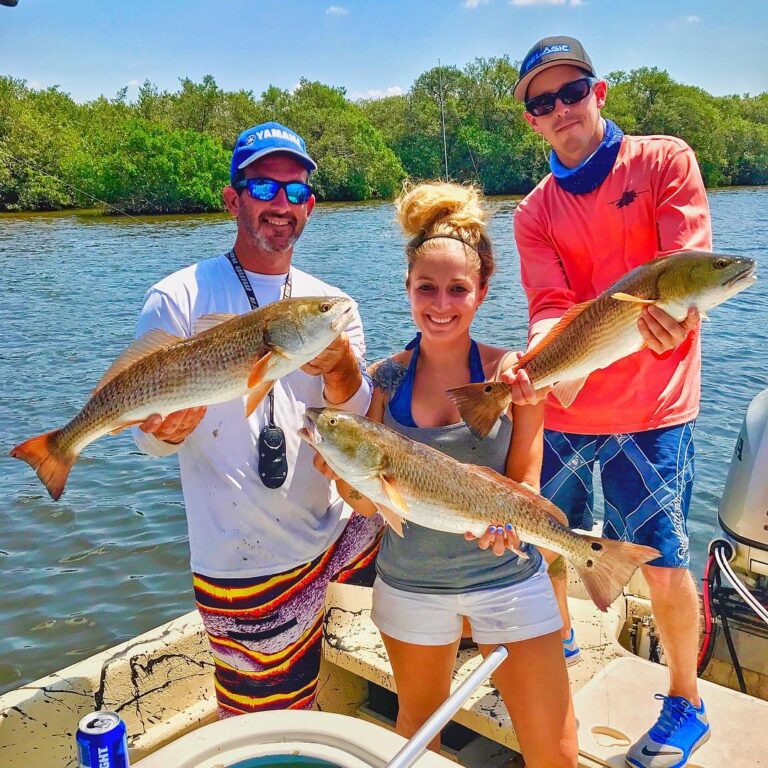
(110, 559)
(285, 761)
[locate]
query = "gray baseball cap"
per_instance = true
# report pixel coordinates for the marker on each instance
(549, 52)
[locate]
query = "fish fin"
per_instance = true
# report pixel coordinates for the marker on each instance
(394, 520)
(480, 405)
(150, 342)
(566, 391)
(47, 458)
(608, 571)
(557, 515)
(558, 567)
(568, 317)
(628, 297)
(259, 370)
(206, 322)
(255, 396)
(282, 352)
(399, 504)
(120, 427)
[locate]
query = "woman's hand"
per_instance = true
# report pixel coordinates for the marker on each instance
(498, 538)
(322, 466)
(521, 389)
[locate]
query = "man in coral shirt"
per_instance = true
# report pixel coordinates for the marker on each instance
(613, 202)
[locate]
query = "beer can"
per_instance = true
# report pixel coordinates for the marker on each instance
(102, 741)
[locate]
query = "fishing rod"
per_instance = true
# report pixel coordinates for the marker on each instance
(442, 116)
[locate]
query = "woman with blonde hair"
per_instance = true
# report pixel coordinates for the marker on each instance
(428, 580)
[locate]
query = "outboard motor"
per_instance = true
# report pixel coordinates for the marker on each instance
(743, 511)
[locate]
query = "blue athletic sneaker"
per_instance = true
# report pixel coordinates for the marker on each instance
(680, 730)
(571, 649)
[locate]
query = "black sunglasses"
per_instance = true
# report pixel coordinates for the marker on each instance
(297, 192)
(570, 93)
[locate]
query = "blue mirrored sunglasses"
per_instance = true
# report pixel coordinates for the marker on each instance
(297, 192)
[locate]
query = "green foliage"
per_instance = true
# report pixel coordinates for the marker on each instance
(169, 151)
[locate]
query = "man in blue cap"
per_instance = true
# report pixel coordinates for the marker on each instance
(266, 532)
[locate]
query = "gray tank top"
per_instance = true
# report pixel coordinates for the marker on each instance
(434, 562)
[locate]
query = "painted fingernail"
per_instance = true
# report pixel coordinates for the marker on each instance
(509, 526)
(491, 529)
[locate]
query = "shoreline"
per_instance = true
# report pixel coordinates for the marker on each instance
(101, 214)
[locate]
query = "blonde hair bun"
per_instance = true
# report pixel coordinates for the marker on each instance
(438, 207)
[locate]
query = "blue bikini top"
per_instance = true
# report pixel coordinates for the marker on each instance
(400, 402)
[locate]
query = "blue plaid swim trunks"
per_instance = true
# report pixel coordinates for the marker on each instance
(647, 479)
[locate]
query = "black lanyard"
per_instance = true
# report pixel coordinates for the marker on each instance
(248, 288)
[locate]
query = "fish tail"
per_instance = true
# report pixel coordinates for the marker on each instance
(609, 567)
(47, 457)
(480, 405)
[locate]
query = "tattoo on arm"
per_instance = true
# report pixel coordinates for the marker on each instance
(387, 375)
(353, 494)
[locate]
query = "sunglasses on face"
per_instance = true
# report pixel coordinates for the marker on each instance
(570, 93)
(297, 192)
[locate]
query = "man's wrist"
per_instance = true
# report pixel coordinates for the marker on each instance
(343, 381)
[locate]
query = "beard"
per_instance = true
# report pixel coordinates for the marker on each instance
(275, 244)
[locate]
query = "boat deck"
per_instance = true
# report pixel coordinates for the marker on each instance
(613, 689)
(161, 684)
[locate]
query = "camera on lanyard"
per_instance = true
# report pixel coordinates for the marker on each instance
(273, 461)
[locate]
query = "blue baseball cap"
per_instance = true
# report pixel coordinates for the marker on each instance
(264, 139)
(550, 52)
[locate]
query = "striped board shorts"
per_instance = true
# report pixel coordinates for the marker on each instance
(266, 632)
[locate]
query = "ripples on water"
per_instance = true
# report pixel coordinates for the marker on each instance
(110, 559)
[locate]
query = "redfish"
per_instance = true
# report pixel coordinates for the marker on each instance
(599, 332)
(408, 480)
(230, 356)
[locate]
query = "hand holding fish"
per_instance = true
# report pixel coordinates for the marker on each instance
(175, 427)
(323, 467)
(662, 332)
(520, 388)
(339, 368)
(498, 538)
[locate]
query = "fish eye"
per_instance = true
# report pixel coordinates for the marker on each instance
(332, 421)
(325, 306)
(722, 263)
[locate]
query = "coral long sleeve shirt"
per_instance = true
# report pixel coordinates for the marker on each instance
(573, 247)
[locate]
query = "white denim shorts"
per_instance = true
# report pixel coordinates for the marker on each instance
(500, 615)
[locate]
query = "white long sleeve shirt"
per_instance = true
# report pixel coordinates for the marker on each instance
(238, 528)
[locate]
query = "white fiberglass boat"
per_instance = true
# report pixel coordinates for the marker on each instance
(161, 683)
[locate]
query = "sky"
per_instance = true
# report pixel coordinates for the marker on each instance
(370, 47)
